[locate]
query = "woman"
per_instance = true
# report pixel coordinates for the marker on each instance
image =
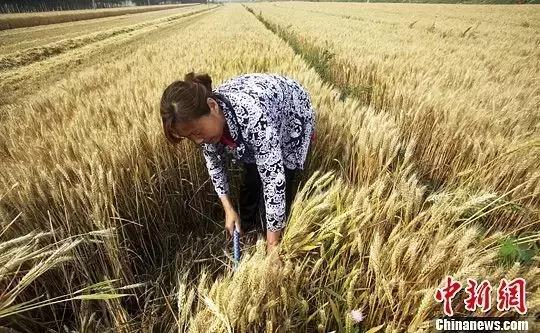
(266, 121)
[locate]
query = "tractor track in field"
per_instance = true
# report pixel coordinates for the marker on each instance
(324, 63)
(44, 73)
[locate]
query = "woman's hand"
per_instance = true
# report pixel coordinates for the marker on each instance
(232, 219)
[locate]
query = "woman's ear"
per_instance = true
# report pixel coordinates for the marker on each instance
(214, 107)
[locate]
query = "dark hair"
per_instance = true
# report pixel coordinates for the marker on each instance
(185, 101)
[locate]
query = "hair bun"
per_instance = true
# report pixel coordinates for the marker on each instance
(203, 79)
(189, 77)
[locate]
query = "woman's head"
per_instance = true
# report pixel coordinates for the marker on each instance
(189, 110)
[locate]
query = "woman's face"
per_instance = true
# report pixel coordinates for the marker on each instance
(206, 129)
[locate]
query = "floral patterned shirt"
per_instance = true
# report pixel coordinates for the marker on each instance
(271, 119)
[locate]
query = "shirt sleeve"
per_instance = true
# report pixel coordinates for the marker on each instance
(214, 154)
(268, 158)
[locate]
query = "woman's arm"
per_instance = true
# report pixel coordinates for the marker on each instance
(215, 163)
(226, 202)
(267, 150)
(272, 240)
(232, 219)
(214, 155)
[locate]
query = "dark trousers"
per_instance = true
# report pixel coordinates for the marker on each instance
(252, 199)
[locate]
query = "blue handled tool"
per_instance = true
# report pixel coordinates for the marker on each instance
(236, 247)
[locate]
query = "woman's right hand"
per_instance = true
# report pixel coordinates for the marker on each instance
(232, 219)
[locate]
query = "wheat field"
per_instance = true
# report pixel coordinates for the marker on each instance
(23, 20)
(426, 164)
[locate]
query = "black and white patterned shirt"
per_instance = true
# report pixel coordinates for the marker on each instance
(271, 120)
